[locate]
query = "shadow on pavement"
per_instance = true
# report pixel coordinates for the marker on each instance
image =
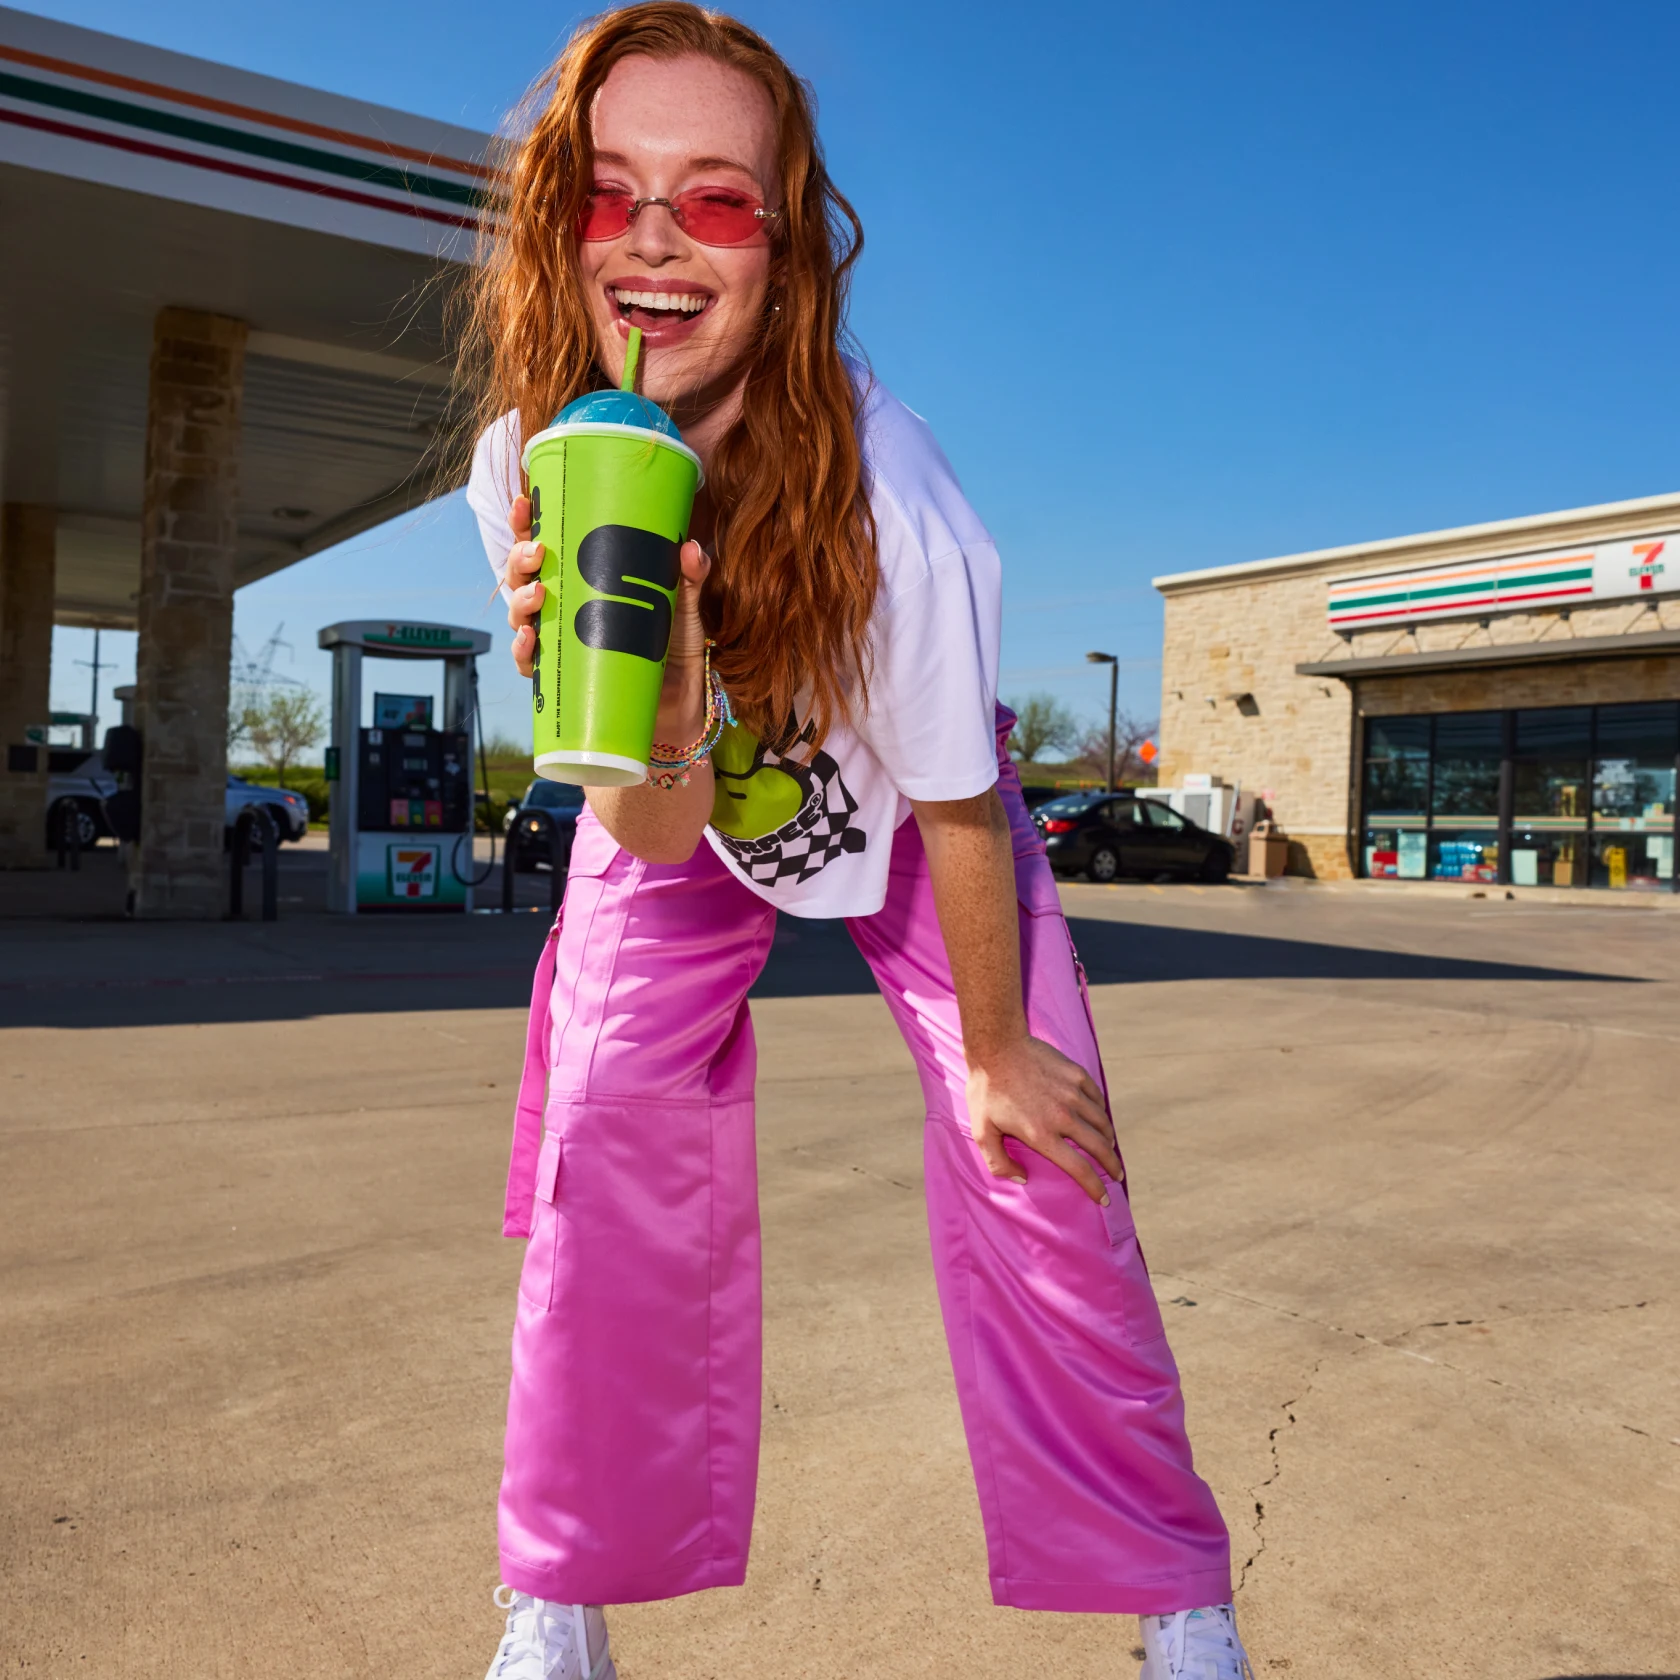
(813, 959)
(131, 975)
(1120, 952)
(127, 974)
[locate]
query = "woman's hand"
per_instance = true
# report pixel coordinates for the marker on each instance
(1018, 1086)
(663, 825)
(683, 692)
(525, 594)
(1031, 1092)
(682, 701)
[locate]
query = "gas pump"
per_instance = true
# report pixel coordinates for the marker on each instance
(401, 824)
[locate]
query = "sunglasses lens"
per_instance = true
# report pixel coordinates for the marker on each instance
(707, 214)
(717, 218)
(605, 215)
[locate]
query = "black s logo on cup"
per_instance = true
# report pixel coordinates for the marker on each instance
(623, 561)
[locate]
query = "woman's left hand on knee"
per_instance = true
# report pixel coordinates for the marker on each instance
(1031, 1092)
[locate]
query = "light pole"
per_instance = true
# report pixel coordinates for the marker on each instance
(1113, 665)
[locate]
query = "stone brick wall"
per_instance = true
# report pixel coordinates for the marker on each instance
(189, 529)
(1291, 740)
(1233, 704)
(27, 565)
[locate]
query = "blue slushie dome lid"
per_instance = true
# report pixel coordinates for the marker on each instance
(619, 408)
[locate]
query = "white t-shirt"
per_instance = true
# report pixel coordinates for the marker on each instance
(815, 837)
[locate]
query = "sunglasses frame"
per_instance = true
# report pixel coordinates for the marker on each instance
(766, 219)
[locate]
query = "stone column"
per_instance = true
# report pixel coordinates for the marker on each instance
(27, 566)
(188, 532)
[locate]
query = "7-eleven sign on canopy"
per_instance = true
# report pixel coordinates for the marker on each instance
(1647, 567)
(1482, 585)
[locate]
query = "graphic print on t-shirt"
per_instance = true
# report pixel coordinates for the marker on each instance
(781, 818)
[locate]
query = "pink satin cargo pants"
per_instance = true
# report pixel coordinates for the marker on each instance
(633, 1417)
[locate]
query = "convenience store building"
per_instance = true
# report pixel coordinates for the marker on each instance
(1496, 704)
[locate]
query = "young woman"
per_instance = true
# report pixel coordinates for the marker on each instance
(848, 597)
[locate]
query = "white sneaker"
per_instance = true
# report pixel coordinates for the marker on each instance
(546, 1641)
(1194, 1645)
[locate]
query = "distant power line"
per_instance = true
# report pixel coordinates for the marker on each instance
(251, 681)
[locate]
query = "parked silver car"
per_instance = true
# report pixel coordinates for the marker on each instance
(78, 784)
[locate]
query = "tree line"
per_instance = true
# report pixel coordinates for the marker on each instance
(1045, 728)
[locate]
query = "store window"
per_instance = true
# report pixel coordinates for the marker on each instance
(1566, 796)
(1550, 759)
(1397, 797)
(1464, 796)
(1633, 797)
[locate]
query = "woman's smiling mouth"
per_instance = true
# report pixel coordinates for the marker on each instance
(665, 310)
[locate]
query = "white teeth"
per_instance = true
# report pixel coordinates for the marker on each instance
(687, 303)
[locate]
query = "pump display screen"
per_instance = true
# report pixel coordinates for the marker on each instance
(413, 780)
(402, 711)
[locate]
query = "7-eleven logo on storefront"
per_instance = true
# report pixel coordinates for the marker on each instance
(413, 871)
(1647, 567)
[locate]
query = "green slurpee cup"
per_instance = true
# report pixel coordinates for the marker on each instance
(612, 490)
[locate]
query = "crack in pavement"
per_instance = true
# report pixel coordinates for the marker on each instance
(1288, 1410)
(1391, 1345)
(1511, 1318)
(818, 1152)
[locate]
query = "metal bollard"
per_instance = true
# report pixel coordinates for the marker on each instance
(70, 838)
(510, 859)
(557, 850)
(259, 824)
(239, 852)
(270, 866)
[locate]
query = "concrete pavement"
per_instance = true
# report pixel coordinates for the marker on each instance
(1405, 1169)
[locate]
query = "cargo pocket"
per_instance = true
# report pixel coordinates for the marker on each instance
(1141, 1311)
(542, 1252)
(1035, 885)
(594, 851)
(1058, 1000)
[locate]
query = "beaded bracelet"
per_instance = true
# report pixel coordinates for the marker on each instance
(668, 766)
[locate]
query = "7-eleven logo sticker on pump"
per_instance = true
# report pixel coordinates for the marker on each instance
(413, 871)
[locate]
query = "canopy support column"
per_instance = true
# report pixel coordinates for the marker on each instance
(189, 530)
(27, 565)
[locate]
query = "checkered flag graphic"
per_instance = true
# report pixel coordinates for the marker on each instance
(821, 831)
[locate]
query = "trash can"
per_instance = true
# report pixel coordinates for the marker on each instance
(1268, 851)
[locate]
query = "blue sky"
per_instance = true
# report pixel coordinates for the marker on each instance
(1176, 285)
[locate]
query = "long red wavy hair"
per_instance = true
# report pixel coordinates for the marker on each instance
(795, 569)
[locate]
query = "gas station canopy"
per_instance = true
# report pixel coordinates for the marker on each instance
(132, 180)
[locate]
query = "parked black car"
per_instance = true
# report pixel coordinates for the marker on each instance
(1105, 835)
(561, 804)
(1037, 793)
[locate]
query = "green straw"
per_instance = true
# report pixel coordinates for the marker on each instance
(632, 356)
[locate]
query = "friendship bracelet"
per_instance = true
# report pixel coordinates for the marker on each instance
(668, 766)
(672, 761)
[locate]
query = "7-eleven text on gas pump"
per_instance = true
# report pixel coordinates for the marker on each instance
(401, 831)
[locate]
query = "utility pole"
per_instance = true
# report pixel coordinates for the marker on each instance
(1113, 664)
(93, 698)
